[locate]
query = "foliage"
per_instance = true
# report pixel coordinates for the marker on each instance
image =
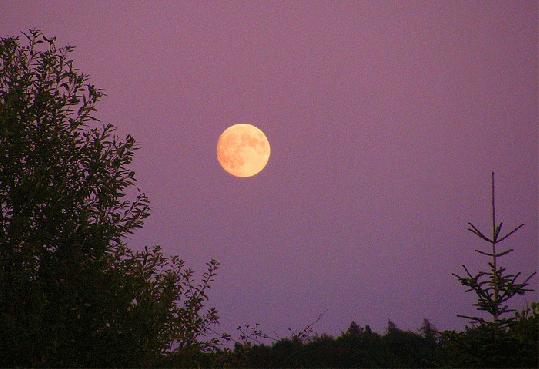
(67, 280)
(429, 331)
(358, 347)
(494, 288)
(165, 310)
(525, 331)
(354, 329)
(73, 294)
(491, 346)
(504, 341)
(474, 347)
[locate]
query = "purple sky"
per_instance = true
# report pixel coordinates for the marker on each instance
(385, 121)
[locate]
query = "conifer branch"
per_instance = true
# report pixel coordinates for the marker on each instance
(484, 253)
(510, 233)
(504, 252)
(477, 232)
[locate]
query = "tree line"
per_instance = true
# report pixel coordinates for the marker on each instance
(360, 347)
(73, 294)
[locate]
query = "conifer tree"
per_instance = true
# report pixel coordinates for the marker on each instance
(493, 287)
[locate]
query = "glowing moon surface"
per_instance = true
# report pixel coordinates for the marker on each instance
(243, 150)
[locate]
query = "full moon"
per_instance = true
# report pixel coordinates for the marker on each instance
(243, 150)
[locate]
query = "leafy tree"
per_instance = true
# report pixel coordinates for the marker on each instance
(494, 288)
(391, 327)
(402, 348)
(368, 330)
(71, 291)
(365, 349)
(488, 346)
(429, 331)
(354, 329)
(525, 331)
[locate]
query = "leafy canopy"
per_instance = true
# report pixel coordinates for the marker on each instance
(67, 278)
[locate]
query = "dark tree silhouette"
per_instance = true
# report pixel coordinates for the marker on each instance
(429, 331)
(493, 287)
(354, 329)
(71, 291)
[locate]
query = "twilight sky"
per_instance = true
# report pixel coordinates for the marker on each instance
(385, 120)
